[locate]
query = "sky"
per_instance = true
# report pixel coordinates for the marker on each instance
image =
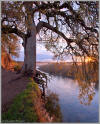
(42, 54)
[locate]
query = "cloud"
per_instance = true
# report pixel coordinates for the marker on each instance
(41, 54)
(40, 49)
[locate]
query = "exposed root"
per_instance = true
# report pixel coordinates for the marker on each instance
(41, 78)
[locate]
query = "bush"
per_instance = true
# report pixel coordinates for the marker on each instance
(17, 68)
(52, 106)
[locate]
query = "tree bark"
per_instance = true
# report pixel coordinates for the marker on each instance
(29, 66)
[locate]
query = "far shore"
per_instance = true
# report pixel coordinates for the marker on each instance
(56, 68)
(39, 63)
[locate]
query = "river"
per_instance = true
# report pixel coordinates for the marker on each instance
(78, 101)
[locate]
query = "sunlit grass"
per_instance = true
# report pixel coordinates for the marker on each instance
(28, 106)
(22, 109)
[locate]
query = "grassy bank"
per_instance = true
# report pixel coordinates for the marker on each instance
(28, 106)
(22, 109)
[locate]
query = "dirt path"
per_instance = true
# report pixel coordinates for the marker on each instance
(11, 85)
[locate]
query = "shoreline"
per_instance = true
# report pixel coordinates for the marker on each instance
(40, 111)
(40, 63)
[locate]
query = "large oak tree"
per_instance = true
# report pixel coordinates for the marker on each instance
(27, 19)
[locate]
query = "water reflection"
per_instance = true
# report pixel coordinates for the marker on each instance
(52, 106)
(76, 99)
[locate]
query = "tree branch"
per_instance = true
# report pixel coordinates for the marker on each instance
(76, 17)
(42, 24)
(8, 29)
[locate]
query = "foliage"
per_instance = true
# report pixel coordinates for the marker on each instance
(52, 106)
(9, 48)
(86, 92)
(10, 44)
(5, 60)
(60, 69)
(86, 75)
(29, 107)
(74, 22)
(17, 68)
(88, 72)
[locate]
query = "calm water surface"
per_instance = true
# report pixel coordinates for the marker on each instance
(78, 101)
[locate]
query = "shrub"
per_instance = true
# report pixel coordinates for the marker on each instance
(17, 68)
(52, 106)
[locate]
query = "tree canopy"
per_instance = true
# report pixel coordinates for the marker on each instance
(75, 22)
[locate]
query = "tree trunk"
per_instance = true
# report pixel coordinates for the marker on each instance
(29, 66)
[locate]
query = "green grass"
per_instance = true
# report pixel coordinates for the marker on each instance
(22, 109)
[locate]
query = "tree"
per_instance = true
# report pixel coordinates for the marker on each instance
(78, 19)
(9, 48)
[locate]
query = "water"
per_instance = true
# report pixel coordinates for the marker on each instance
(78, 101)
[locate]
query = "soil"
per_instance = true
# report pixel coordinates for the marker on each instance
(11, 85)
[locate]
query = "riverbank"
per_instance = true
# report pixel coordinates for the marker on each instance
(22, 100)
(79, 71)
(27, 107)
(61, 69)
(24, 94)
(20, 96)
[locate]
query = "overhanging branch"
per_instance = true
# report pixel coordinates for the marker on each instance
(8, 29)
(67, 5)
(42, 24)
